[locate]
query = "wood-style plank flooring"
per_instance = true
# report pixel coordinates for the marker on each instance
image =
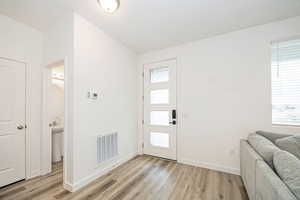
(142, 178)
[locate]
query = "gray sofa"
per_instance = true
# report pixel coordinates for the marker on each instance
(261, 181)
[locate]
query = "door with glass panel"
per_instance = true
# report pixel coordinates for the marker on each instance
(160, 109)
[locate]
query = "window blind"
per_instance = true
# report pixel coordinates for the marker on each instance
(286, 82)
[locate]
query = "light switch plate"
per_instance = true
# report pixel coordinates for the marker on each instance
(92, 95)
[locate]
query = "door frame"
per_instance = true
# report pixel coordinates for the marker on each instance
(178, 92)
(27, 136)
(46, 139)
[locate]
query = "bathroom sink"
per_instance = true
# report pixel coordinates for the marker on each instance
(57, 129)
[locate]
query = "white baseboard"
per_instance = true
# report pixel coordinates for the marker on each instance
(86, 180)
(210, 166)
(68, 187)
(33, 174)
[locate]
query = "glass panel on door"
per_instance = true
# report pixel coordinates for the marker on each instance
(159, 96)
(159, 75)
(159, 118)
(159, 139)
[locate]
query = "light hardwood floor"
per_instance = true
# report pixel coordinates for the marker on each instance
(142, 178)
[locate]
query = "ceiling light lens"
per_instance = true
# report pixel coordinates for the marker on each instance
(109, 6)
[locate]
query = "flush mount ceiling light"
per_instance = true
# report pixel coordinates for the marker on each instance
(109, 6)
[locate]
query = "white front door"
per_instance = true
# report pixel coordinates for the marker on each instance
(160, 123)
(12, 121)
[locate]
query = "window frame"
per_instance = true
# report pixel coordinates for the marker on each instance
(276, 124)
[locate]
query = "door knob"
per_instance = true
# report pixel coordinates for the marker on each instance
(172, 122)
(20, 127)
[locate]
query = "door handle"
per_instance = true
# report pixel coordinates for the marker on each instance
(54, 123)
(172, 122)
(20, 127)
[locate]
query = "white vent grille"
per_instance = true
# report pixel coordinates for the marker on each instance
(107, 147)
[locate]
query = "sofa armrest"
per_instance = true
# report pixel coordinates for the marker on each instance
(248, 158)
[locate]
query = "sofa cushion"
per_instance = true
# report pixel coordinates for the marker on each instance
(290, 144)
(264, 147)
(269, 186)
(288, 168)
(272, 136)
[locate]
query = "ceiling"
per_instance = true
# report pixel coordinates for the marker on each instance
(144, 25)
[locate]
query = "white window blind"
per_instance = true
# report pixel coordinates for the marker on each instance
(286, 82)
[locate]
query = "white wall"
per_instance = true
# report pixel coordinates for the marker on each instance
(224, 92)
(102, 65)
(23, 43)
(59, 40)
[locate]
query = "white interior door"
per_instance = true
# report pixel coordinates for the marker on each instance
(160, 123)
(12, 121)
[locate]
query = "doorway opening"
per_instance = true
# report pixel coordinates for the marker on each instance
(56, 112)
(54, 106)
